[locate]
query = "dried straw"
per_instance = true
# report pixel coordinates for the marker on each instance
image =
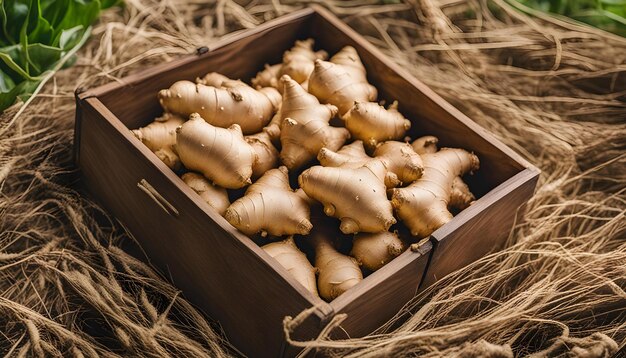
(554, 91)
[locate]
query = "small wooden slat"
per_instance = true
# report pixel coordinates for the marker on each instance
(481, 228)
(384, 292)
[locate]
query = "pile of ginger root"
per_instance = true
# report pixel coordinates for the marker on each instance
(314, 121)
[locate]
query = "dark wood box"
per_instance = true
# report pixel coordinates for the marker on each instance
(224, 272)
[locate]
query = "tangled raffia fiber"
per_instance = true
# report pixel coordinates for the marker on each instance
(552, 90)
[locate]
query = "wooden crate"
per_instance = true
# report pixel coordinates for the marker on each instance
(224, 272)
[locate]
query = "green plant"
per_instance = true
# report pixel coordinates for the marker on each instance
(39, 36)
(609, 15)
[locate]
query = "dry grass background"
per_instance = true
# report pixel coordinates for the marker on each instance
(552, 90)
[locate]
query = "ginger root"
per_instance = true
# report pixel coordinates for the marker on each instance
(426, 144)
(298, 62)
(334, 84)
(212, 79)
(233, 102)
(423, 205)
(273, 127)
(460, 195)
(221, 155)
(352, 155)
(213, 195)
(304, 126)
(268, 77)
(375, 250)
(160, 133)
(160, 137)
(169, 157)
(372, 123)
(270, 206)
(337, 272)
(267, 154)
(290, 257)
(355, 196)
(351, 62)
(401, 162)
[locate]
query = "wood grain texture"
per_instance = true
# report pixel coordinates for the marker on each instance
(224, 272)
(219, 269)
(382, 294)
(482, 228)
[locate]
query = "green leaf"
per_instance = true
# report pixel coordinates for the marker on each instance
(22, 90)
(77, 13)
(70, 61)
(41, 56)
(53, 10)
(615, 2)
(609, 15)
(70, 37)
(6, 82)
(614, 17)
(23, 60)
(15, 15)
(4, 40)
(105, 4)
(38, 29)
(8, 60)
(35, 35)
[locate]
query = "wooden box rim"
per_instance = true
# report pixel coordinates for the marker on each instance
(324, 310)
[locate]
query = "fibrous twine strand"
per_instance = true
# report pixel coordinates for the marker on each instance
(552, 90)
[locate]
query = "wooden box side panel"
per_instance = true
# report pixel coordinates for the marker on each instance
(375, 300)
(429, 113)
(228, 277)
(480, 229)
